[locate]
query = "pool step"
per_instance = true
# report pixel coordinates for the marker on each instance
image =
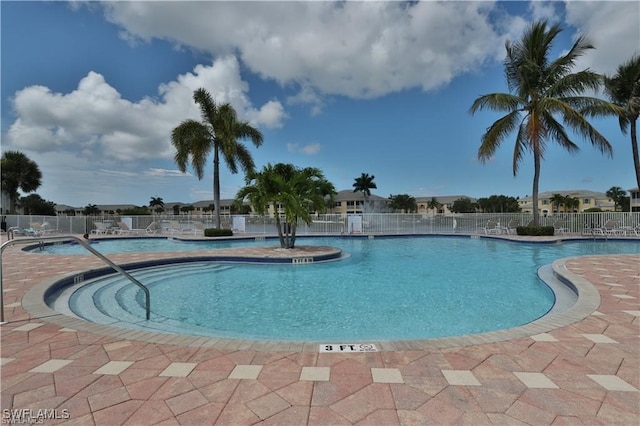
(115, 301)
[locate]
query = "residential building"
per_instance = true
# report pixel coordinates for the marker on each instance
(635, 200)
(587, 200)
(445, 201)
(350, 202)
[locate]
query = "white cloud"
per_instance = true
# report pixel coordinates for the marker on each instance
(357, 49)
(309, 149)
(613, 27)
(95, 120)
(166, 172)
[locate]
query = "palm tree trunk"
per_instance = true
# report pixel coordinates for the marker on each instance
(279, 227)
(634, 147)
(216, 186)
(536, 179)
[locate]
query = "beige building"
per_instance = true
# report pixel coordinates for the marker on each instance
(445, 201)
(587, 200)
(635, 199)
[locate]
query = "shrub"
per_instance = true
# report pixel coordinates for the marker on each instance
(535, 230)
(215, 232)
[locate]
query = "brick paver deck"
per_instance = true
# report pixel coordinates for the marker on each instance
(587, 372)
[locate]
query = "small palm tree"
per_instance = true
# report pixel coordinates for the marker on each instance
(18, 172)
(297, 193)
(434, 205)
(219, 132)
(91, 210)
(364, 184)
(572, 203)
(541, 91)
(158, 203)
(557, 200)
(617, 195)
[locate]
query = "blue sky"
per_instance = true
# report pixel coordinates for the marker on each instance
(92, 90)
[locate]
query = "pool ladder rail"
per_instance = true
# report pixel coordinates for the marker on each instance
(41, 240)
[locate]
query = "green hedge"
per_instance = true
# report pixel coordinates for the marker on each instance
(215, 232)
(537, 231)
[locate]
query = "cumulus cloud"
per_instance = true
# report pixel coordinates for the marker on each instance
(356, 49)
(98, 122)
(613, 27)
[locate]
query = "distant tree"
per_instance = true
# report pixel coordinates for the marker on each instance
(403, 202)
(219, 132)
(557, 200)
(187, 209)
(464, 205)
(365, 184)
(18, 172)
(240, 208)
(434, 205)
(158, 203)
(616, 194)
(136, 211)
(542, 89)
(176, 209)
(70, 212)
(572, 203)
(91, 210)
(34, 204)
(499, 204)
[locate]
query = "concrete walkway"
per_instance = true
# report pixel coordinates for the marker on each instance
(584, 373)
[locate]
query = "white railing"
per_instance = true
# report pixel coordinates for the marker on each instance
(369, 223)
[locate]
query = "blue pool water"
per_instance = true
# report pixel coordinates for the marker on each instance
(388, 289)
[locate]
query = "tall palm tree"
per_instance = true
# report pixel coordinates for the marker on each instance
(364, 184)
(616, 194)
(541, 91)
(623, 89)
(18, 172)
(219, 132)
(298, 192)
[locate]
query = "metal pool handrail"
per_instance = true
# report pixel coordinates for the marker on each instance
(85, 245)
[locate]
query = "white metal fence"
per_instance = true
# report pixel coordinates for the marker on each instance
(373, 223)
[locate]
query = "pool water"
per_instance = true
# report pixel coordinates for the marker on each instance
(387, 289)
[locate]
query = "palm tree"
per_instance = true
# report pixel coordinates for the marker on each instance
(617, 195)
(297, 193)
(433, 204)
(542, 90)
(157, 202)
(623, 89)
(18, 172)
(91, 210)
(219, 131)
(572, 203)
(364, 184)
(557, 199)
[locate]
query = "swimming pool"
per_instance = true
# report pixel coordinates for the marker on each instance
(388, 289)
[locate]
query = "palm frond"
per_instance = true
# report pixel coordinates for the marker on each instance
(495, 134)
(496, 102)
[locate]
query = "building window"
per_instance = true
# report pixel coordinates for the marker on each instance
(545, 202)
(586, 201)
